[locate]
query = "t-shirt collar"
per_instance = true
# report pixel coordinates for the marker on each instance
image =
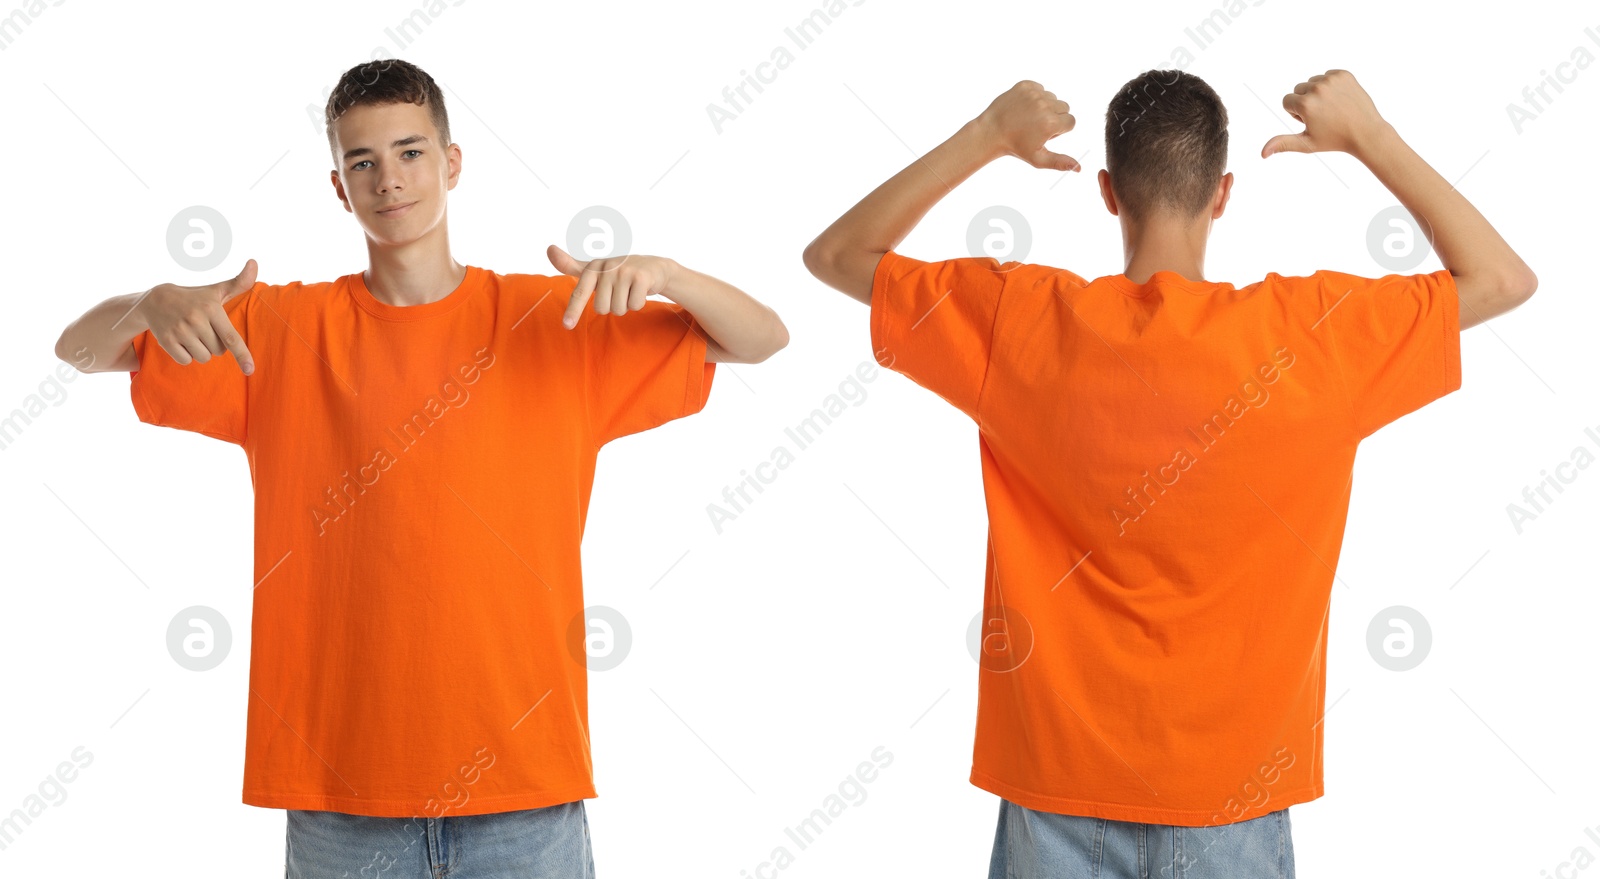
(357, 284)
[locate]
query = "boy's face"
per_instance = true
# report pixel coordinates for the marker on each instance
(392, 172)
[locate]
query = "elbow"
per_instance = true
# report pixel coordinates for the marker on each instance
(780, 336)
(1527, 283)
(850, 270)
(819, 258)
(1517, 288)
(777, 340)
(64, 353)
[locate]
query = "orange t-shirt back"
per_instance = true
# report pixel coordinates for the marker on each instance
(422, 476)
(1167, 471)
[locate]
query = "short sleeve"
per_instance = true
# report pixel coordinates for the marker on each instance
(644, 368)
(933, 322)
(1396, 341)
(209, 398)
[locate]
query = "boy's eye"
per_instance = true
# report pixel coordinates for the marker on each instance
(357, 166)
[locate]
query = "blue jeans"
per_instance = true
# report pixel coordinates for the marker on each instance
(549, 842)
(1033, 845)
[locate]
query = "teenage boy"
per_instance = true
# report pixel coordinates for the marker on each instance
(422, 440)
(1167, 463)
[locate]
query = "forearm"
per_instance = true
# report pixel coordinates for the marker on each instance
(742, 330)
(101, 340)
(1490, 277)
(846, 254)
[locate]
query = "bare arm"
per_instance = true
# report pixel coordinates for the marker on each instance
(189, 323)
(1491, 279)
(741, 330)
(846, 254)
(102, 339)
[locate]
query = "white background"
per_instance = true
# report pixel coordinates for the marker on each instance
(830, 617)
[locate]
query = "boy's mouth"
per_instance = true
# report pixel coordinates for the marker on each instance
(398, 210)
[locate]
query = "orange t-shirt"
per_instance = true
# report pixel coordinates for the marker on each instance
(422, 476)
(1167, 472)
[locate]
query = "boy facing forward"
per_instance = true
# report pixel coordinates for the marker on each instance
(422, 440)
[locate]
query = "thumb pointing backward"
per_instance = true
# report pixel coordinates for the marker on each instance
(1055, 161)
(1288, 143)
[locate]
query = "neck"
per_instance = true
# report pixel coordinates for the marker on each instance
(414, 273)
(1165, 243)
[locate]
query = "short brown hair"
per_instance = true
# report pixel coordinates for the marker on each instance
(386, 81)
(1166, 144)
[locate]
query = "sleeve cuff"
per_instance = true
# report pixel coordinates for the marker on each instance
(697, 388)
(1451, 345)
(141, 402)
(878, 322)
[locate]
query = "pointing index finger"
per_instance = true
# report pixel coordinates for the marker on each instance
(229, 337)
(580, 295)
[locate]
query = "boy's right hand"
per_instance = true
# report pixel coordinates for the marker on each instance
(1020, 121)
(1337, 113)
(190, 323)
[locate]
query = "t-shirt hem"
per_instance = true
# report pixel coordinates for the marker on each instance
(408, 808)
(1140, 814)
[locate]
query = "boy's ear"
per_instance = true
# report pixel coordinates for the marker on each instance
(338, 190)
(1224, 189)
(452, 154)
(1105, 191)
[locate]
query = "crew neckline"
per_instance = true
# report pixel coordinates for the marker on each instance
(471, 281)
(1138, 291)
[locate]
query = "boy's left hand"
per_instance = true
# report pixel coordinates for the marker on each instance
(618, 284)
